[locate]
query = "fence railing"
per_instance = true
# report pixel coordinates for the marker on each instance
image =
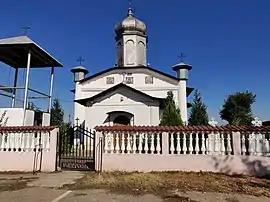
(186, 140)
(202, 143)
(25, 139)
(180, 143)
(135, 143)
(28, 148)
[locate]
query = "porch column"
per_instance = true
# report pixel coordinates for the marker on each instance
(51, 89)
(26, 86)
(14, 89)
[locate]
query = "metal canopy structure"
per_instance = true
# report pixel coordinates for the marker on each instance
(14, 52)
(22, 52)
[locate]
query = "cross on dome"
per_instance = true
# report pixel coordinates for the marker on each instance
(80, 60)
(130, 10)
(181, 57)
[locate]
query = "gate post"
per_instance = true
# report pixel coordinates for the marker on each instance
(98, 151)
(54, 134)
(57, 156)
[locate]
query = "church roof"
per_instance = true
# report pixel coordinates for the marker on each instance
(134, 67)
(105, 92)
(13, 52)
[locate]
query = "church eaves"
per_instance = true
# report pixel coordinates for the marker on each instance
(133, 68)
(105, 92)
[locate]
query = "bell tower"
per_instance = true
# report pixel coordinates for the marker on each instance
(131, 41)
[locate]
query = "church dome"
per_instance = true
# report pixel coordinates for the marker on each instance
(130, 24)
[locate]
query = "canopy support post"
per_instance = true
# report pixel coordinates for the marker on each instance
(26, 87)
(14, 89)
(51, 90)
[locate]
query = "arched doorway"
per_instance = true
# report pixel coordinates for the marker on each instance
(121, 120)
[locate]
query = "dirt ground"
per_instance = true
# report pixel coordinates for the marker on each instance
(133, 187)
(163, 183)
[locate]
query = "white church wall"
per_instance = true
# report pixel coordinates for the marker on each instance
(158, 88)
(79, 113)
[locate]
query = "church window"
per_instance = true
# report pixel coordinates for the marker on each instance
(129, 80)
(110, 80)
(148, 80)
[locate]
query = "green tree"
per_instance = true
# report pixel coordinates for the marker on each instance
(65, 129)
(57, 114)
(171, 115)
(57, 117)
(237, 108)
(198, 113)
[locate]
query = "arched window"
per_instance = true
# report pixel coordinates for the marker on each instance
(130, 52)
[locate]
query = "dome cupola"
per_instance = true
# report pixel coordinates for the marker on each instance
(130, 25)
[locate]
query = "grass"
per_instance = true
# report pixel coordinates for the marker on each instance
(13, 185)
(165, 183)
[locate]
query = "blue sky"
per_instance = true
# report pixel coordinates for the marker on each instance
(227, 42)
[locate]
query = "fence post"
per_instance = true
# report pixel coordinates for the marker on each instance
(165, 143)
(53, 148)
(57, 155)
(236, 141)
(98, 150)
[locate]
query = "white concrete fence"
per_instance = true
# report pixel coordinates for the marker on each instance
(227, 149)
(28, 148)
(181, 143)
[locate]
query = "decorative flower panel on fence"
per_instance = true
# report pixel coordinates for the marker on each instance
(134, 143)
(24, 141)
(200, 143)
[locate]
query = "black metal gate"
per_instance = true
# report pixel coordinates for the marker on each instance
(76, 149)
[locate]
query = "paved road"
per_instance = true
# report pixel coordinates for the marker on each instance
(45, 188)
(38, 194)
(35, 194)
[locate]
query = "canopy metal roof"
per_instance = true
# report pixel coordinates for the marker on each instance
(14, 52)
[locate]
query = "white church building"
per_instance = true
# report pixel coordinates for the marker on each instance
(131, 92)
